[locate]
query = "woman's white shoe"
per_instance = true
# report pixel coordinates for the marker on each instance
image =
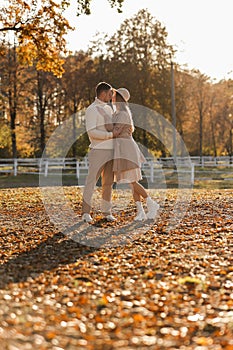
(87, 218)
(140, 217)
(152, 207)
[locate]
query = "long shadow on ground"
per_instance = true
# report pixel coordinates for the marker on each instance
(61, 249)
(55, 251)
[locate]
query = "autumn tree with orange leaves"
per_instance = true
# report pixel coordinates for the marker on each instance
(34, 31)
(38, 29)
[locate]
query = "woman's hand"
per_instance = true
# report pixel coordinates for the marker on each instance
(115, 132)
(107, 119)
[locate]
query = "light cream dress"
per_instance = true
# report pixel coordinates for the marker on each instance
(127, 155)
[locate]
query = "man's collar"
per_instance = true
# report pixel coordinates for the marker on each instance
(99, 101)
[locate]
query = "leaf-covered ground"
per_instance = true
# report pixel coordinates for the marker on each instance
(162, 290)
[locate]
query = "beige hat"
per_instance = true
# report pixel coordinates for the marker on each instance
(124, 93)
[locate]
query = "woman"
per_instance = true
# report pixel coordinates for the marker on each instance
(128, 157)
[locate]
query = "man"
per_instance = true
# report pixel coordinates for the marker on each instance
(101, 152)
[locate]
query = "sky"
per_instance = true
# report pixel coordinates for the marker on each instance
(200, 30)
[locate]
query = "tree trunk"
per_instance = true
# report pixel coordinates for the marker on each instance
(13, 135)
(201, 132)
(41, 112)
(42, 131)
(213, 138)
(12, 97)
(231, 146)
(74, 149)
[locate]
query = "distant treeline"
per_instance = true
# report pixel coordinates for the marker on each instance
(33, 102)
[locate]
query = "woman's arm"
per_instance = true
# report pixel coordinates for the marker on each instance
(118, 127)
(107, 119)
(123, 125)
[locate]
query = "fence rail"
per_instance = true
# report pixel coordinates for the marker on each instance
(152, 168)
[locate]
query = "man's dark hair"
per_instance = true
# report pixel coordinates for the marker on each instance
(102, 86)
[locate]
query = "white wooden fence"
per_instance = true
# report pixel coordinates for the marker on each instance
(152, 168)
(68, 166)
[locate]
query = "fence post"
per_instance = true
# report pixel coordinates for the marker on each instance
(151, 172)
(192, 173)
(202, 161)
(40, 165)
(77, 169)
(46, 168)
(15, 166)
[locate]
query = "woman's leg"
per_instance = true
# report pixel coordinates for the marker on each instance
(138, 191)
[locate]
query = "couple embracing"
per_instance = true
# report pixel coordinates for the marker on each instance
(113, 155)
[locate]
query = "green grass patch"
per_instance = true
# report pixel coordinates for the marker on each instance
(208, 177)
(31, 180)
